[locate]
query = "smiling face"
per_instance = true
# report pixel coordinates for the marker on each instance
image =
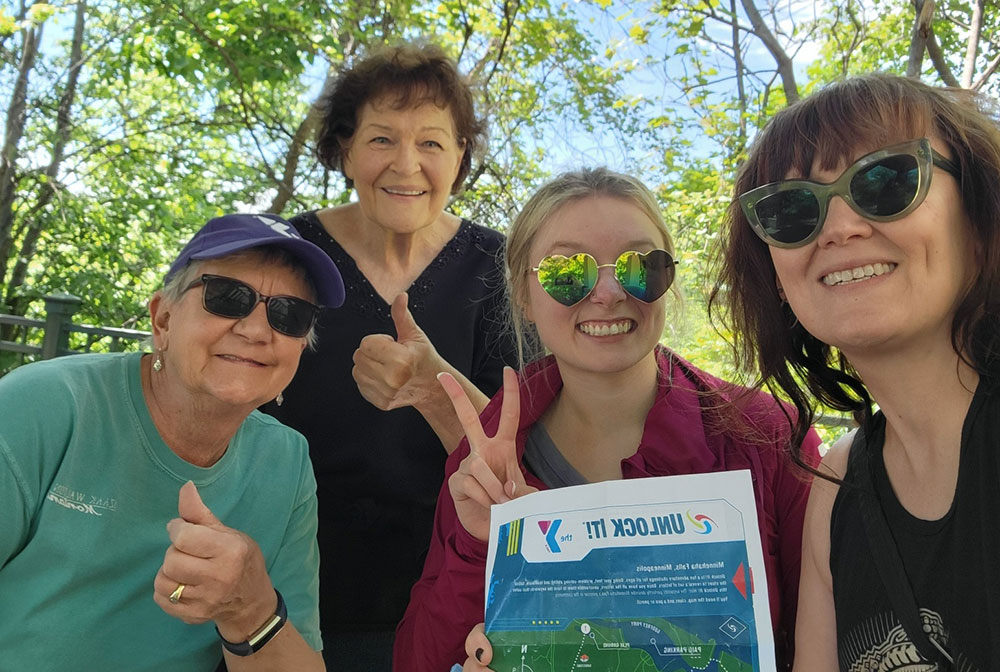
(403, 163)
(238, 362)
(862, 286)
(609, 330)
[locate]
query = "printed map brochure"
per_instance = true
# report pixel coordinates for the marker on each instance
(644, 575)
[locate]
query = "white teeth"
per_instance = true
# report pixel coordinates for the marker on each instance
(402, 192)
(605, 329)
(857, 274)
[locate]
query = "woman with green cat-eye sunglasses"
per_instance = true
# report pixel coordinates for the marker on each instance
(882, 186)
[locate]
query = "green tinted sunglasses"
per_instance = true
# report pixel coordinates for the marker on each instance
(882, 186)
(571, 279)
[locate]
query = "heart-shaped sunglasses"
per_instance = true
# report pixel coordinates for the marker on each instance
(571, 279)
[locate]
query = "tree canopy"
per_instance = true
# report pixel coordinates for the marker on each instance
(128, 125)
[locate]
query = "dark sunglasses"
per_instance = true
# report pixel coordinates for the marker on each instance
(882, 186)
(571, 279)
(228, 297)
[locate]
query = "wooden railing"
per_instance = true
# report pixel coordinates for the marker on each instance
(57, 327)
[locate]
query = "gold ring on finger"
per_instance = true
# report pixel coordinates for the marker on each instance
(175, 596)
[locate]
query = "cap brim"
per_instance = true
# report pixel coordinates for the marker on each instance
(322, 271)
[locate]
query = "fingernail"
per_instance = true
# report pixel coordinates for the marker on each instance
(479, 654)
(513, 488)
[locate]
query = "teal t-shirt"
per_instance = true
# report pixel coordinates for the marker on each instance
(87, 487)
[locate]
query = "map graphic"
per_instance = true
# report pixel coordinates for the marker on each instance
(618, 645)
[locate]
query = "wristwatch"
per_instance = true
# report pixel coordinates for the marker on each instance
(262, 636)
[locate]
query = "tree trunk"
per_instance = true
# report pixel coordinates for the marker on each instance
(918, 38)
(972, 50)
(940, 62)
(740, 91)
(286, 186)
(16, 118)
(35, 217)
(785, 69)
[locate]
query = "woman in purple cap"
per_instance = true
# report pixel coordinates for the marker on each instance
(152, 518)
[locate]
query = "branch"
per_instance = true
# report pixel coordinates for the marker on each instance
(785, 68)
(508, 19)
(286, 185)
(939, 61)
(16, 119)
(48, 188)
(740, 91)
(918, 36)
(972, 50)
(990, 69)
(246, 108)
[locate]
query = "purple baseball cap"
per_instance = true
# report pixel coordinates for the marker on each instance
(225, 235)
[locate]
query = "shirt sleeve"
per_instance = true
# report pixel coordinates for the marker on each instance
(16, 519)
(448, 600)
(31, 442)
(295, 569)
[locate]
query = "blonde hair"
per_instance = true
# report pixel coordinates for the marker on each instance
(564, 189)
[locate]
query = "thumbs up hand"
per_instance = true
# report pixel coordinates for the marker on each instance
(193, 510)
(221, 570)
(393, 373)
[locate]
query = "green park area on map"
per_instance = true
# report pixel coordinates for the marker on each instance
(651, 645)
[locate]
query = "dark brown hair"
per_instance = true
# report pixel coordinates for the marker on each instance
(409, 75)
(830, 128)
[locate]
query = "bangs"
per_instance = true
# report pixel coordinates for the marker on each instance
(408, 93)
(837, 125)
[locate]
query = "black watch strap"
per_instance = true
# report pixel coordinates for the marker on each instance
(263, 635)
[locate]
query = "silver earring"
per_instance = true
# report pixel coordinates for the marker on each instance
(157, 363)
(280, 399)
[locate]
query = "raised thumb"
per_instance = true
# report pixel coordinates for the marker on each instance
(406, 326)
(192, 509)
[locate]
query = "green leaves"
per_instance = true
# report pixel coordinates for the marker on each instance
(186, 109)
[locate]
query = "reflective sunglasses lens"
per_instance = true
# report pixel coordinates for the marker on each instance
(226, 297)
(567, 279)
(290, 316)
(789, 216)
(887, 187)
(645, 276)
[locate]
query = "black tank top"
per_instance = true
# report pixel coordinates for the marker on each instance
(952, 563)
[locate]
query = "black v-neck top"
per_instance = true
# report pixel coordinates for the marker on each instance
(378, 473)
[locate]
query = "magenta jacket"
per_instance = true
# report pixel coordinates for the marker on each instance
(687, 432)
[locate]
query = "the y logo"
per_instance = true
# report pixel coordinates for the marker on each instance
(702, 523)
(550, 528)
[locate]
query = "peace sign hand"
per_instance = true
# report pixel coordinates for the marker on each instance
(490, 473)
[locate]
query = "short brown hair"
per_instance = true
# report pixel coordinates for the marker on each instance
(830, 127)
(412, 74)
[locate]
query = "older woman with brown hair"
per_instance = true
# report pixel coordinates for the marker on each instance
(424, 296)
(152, 518)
